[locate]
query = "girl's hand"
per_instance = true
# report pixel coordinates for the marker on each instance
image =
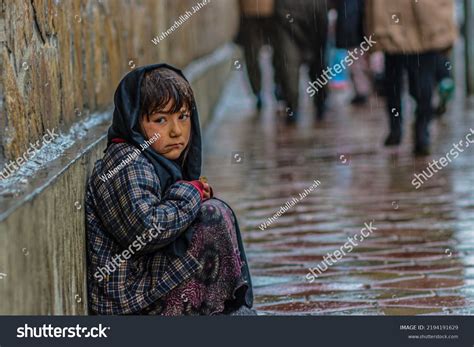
(207, 191)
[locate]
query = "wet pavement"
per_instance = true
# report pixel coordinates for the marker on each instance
(420, 258)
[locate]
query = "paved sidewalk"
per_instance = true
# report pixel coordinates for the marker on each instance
(420, 258)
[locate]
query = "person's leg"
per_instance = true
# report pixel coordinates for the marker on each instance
(393, 88)
(359, 72)
(316, 68)
(377, 68)
(252, 40)
(421, 73)
(277, 57)
(287, 69)
(442, 67)
(223, 283)
(317, 29)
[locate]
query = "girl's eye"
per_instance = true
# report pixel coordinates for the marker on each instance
(184, 116)
(160, 120)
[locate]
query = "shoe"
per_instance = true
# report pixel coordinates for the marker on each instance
(321, 111)
(291, 118)
(441, 109)
(421, 139)
(259, 103)
(421, 150)
(321, 108)
(359, 100)
(393, 139)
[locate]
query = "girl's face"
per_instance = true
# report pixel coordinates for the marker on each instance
(174, 130)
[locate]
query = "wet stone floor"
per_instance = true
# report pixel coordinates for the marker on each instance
(420, 257)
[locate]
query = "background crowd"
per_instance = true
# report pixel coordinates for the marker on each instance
(412, 37)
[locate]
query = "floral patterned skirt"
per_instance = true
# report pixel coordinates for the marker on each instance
(222, 284)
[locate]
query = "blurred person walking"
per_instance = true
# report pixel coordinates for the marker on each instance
(411, 34)
(257, 28)
(302, 28)
(349, 34)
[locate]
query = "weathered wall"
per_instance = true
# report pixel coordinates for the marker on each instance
(61, 62)
(62, 59)
(42, 245)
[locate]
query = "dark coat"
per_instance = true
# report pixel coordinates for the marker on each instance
(123, 208)
(350, 23)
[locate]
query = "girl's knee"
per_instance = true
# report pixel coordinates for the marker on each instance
(214, 206)
(214, 209)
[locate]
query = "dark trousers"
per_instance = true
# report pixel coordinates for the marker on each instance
(442, 67)
(302, 36)
(254, 33)
(421, 69)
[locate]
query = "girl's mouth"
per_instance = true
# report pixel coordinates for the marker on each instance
(175, 145)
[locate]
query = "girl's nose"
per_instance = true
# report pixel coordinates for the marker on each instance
(175, 130)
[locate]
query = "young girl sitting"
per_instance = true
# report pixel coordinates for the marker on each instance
(158, 242)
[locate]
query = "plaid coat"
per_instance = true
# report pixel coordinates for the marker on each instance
(128, 222)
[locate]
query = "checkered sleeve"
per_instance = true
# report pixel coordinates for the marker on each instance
(143, 216)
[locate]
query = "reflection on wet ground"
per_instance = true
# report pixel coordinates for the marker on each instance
(418, 261)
